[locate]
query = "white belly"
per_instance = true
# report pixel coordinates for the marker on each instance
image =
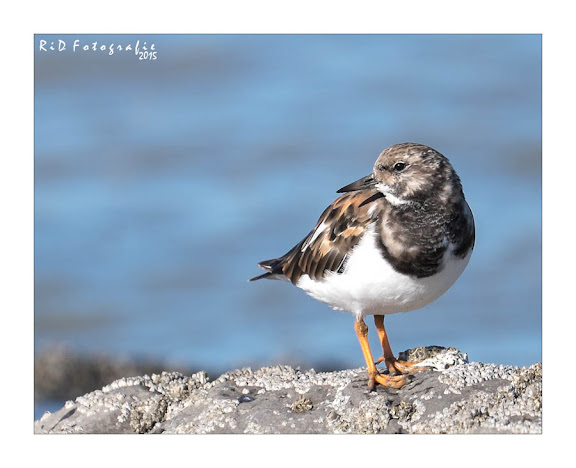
(370, 286)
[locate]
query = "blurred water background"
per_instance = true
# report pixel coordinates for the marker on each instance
(159, 184)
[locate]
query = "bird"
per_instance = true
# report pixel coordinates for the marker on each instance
(394, 241)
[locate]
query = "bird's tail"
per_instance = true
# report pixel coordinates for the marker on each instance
(272, 272)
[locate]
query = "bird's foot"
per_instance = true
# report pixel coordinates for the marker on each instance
(391, 381)
(403, 367)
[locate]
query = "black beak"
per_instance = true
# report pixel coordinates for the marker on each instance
(361, 184)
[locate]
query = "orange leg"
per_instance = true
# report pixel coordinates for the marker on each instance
(394, 381)
(393, 364)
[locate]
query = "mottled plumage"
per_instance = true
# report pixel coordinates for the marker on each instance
(413, 234)
(326, 247)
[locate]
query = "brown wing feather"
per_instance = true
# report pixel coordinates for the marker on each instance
(337, 231)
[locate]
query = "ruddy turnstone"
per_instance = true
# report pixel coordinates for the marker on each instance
(394, 242)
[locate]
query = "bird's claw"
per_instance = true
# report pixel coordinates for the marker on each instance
(403, 367)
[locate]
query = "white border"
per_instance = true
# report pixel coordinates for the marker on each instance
(416, 16)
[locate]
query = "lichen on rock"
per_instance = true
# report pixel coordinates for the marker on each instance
(454, 396)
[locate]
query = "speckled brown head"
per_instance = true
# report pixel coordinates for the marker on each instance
(411, 172)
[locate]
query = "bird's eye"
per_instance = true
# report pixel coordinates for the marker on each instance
(399, 166)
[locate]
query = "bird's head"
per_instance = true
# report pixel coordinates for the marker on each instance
(410, 172)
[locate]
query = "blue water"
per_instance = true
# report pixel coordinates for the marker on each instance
(160, 184)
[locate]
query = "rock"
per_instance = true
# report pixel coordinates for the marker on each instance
(62, 374)
(458, 397)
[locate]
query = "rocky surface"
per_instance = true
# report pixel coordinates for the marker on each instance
(62, 374)
(454, 396)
